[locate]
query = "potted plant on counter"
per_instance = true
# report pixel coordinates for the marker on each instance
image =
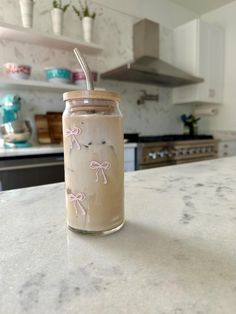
(57, 15)
(87, 17)
(27, 10)
(190, 124)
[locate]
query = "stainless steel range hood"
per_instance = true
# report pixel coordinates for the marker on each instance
(148, 68)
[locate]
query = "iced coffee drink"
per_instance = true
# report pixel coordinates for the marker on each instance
(94, 165)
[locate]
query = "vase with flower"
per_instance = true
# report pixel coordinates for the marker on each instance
(27, 10)
(57, 16)
(87, 17)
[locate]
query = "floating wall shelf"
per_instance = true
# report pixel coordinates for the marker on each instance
(36, 85)
(30, 36)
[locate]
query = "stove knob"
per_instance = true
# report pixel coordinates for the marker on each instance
(152, 155)
(162, 154)
(167, 154)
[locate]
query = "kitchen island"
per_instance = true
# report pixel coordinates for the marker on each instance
(176, 253)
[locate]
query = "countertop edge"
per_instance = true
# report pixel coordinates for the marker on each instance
(41, 150)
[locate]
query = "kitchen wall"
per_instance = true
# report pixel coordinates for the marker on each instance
(225, 17)
(113, 30)
(164, 12)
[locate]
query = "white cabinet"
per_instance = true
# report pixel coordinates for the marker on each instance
(129, 160)
(199, 50)
(227, 148)
(129, 166)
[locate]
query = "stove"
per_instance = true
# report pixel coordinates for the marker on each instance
(157, 151)
(173, 137)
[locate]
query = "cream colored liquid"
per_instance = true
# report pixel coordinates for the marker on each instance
(94, 167)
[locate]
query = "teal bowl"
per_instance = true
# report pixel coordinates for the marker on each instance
(58, 75)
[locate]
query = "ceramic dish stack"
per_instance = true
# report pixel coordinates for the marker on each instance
(65, 76)
(58, 75)
(17, 71)
(79, 77)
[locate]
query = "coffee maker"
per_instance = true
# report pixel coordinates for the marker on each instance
(15, 132)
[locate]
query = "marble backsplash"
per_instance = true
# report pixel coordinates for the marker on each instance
(112, 30)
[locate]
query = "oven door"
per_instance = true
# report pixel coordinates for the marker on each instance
(152, 155)
(20, 172)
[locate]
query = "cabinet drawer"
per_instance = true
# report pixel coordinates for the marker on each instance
(227, 148)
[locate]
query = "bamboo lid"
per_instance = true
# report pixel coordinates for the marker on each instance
(91, 94)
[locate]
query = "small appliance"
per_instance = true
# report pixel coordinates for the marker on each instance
(15, 132)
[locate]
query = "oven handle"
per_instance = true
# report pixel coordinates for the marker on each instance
(39, 165)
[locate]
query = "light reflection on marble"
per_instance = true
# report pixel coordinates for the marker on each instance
(175, 255)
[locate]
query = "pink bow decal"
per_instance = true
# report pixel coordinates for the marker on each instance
(100, 167)
(73, 132)
(76, 200)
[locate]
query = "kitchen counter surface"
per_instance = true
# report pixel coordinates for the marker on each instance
(175, 255)
(29, 151)
(225, 135)
(41, 150)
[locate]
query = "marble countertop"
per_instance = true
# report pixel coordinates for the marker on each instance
(175, 255)
(41, 150)
(34, 150)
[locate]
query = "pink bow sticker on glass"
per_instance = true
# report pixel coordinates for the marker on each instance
(100, 168)
(73, 133)
(77, 199)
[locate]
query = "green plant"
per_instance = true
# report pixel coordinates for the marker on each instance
(58, 5)
(84, 10)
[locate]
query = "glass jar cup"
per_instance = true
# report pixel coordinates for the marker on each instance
(94, 161)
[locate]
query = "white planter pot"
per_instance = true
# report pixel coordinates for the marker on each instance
(27, 10)
(87, 24)
(57, 21)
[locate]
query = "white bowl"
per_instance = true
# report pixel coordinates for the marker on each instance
(58, 75)
(17, 71)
